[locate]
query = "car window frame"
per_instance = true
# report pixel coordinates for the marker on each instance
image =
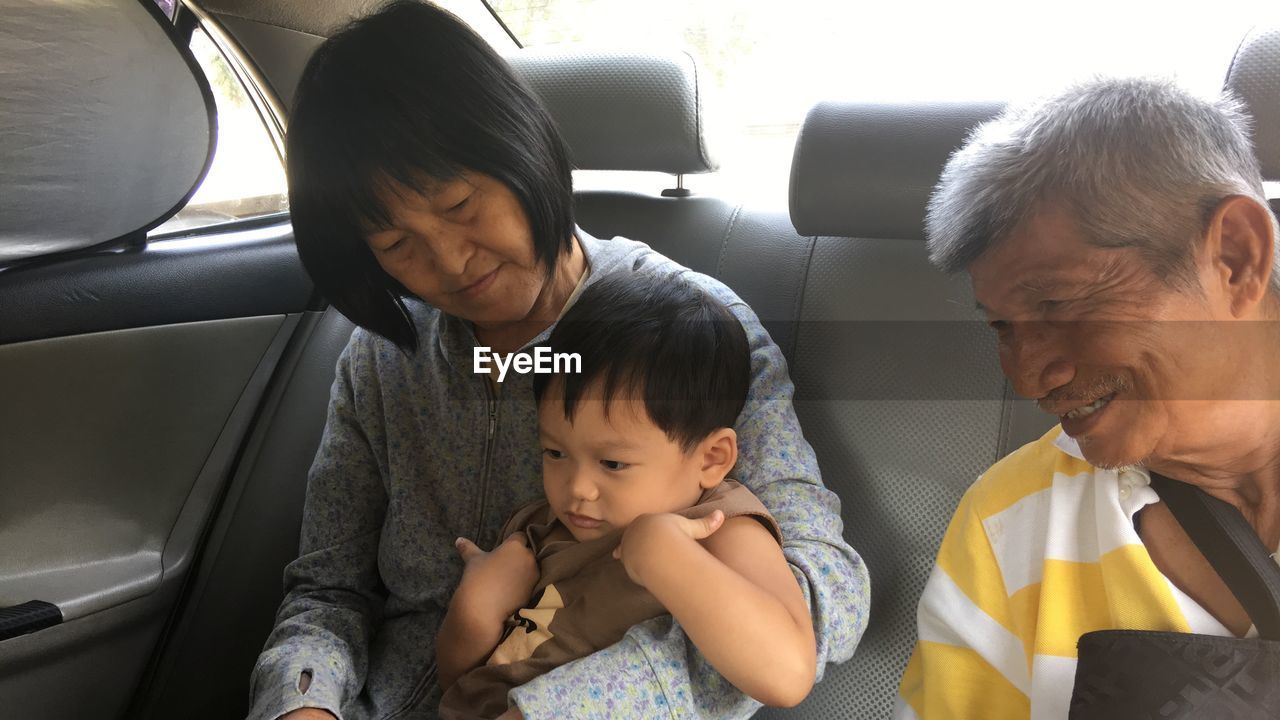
(188, 20)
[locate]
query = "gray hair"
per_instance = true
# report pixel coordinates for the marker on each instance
(1139, 163)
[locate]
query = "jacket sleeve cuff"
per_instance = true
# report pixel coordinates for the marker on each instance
(275, 690)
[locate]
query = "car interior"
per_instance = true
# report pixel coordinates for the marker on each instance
(162, 394)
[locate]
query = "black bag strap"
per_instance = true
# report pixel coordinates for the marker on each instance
(1232, 547)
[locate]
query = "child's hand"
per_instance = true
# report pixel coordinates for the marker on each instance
(495, 584)
(650, 538)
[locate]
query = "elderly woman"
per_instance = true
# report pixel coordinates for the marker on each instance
(1120, 246)
(432, 204)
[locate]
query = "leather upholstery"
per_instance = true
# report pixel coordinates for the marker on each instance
(107, 126)
(900, 393)
(718, 239)
(692, 231)
(898, 385)
(1255, 78)
(866, 170)
(620, 110)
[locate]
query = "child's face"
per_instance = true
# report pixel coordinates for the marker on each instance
(600, 473)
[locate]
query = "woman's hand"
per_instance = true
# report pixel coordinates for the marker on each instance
(650, 538)
(495, 584)
(308, 714)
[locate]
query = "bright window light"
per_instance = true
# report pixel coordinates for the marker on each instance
(769, 61)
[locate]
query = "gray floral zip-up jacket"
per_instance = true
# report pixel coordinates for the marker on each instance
(419, 450)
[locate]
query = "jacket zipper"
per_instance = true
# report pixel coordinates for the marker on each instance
(488, 456)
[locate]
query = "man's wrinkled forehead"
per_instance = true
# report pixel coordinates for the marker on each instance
(1041, 258)
(1032, 287)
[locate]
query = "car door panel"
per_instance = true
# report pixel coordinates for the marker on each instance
(209, 275)
(133, 369)
(116, 445)
(88, 666)
(202, 669)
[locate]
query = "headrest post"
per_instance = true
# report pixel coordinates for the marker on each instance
(679, 190)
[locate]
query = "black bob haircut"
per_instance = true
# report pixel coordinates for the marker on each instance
(666, 340)
(411, 96)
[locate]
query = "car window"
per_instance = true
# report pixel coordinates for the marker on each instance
(481, 19)
(767, 62)
(246, 179)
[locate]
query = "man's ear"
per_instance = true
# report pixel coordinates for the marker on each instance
(1241, 243)
(716, 454)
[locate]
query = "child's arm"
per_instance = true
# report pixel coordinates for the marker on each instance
(734, 595)
(494, 585)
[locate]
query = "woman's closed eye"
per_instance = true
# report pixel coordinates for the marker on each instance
(460, 204)
(400, 244)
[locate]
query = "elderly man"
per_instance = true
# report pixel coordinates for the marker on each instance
(1120, 247)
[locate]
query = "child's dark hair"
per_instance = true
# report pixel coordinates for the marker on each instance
(407, 96)
(663, 338)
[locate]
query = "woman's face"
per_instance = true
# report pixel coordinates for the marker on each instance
(465, 247)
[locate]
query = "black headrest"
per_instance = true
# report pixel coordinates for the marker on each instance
(866, 170)
(622, 110)
(1255, 78)
(106, 123)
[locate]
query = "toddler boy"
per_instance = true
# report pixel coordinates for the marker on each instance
(639, 519)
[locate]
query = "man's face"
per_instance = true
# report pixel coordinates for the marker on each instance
(601, 472)
(1136, 370)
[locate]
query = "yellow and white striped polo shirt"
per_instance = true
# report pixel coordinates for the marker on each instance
(1041, 550)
